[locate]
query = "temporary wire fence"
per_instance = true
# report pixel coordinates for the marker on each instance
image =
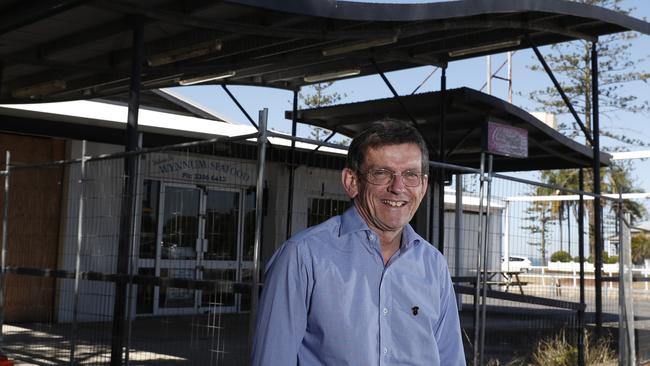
(191, 259)
(189, 267)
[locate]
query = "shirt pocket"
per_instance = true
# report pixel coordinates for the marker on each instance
(412, 331)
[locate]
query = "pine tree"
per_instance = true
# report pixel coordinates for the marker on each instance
(571, 63)
(539, 214)
(320, 97)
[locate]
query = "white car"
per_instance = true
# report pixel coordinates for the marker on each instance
(516, 263)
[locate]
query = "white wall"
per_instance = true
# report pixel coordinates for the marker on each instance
(103, 192)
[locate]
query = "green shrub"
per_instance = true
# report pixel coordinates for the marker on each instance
(611, 260)
(561, 256)
(576, 259)
(606, 259)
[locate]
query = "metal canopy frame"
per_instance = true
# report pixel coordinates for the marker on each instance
(465, 112)
(71, 49)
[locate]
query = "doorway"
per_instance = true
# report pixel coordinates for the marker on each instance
(196, 232)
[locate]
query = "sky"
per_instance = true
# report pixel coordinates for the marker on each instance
(470, 73)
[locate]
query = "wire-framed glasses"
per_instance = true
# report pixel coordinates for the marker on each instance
(382, 177)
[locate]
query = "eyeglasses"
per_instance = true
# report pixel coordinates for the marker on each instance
(382, 177)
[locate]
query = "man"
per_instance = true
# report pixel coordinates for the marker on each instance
(363, 288)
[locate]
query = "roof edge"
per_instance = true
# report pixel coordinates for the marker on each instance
(366, 11)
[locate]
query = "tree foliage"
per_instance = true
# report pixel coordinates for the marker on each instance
(318, 95)
(571, 63)
(640, 248)
(540, 219)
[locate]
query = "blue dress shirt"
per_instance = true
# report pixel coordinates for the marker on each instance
(329, 300)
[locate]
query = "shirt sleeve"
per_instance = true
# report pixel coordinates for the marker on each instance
(282, 311)
(447, 331)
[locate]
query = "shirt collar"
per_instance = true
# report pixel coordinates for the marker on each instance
(351, 222)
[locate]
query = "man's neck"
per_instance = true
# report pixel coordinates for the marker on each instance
(390, 243)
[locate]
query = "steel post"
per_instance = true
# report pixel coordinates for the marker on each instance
(128, 196)
(581, 253)
(292, 163)
(441, 158)
(598, 237)
(458, 230)
(77, 267)
(480, 279)
(259, 201)
(626, 326)
(486, 233)
(5, 235)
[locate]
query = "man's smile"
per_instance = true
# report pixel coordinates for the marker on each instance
(394, 203)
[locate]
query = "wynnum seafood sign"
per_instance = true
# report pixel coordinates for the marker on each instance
(200, 168)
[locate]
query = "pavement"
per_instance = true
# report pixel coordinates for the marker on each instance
(512, 330)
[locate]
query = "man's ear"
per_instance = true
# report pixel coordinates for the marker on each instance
(350, 182)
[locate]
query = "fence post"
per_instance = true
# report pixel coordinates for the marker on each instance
(611, 285)
(3, 256)
(479, 279)
(626, 342)
(575, 279)
(481, 260)
(581, 253)
(77, 267)
(259, 201)
(458, 233)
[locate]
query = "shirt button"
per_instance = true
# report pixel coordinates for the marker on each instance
(385, 311)
(385, 350)
(371, 237)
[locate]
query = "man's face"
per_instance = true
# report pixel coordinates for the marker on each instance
(388, 207)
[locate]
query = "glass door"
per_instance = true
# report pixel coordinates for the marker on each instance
(228, 246)
(220, 252)
(180, 231)
(195, 232)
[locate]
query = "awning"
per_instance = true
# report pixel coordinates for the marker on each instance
(467, 112)
(72, 49)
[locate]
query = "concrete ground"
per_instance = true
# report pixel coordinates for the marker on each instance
(161, 341)
(512, 330)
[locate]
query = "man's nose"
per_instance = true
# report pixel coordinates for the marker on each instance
(397, 184)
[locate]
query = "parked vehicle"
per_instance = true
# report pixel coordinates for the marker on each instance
(516, 263)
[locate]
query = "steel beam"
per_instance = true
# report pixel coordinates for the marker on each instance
(560, 90)
(241, 108)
